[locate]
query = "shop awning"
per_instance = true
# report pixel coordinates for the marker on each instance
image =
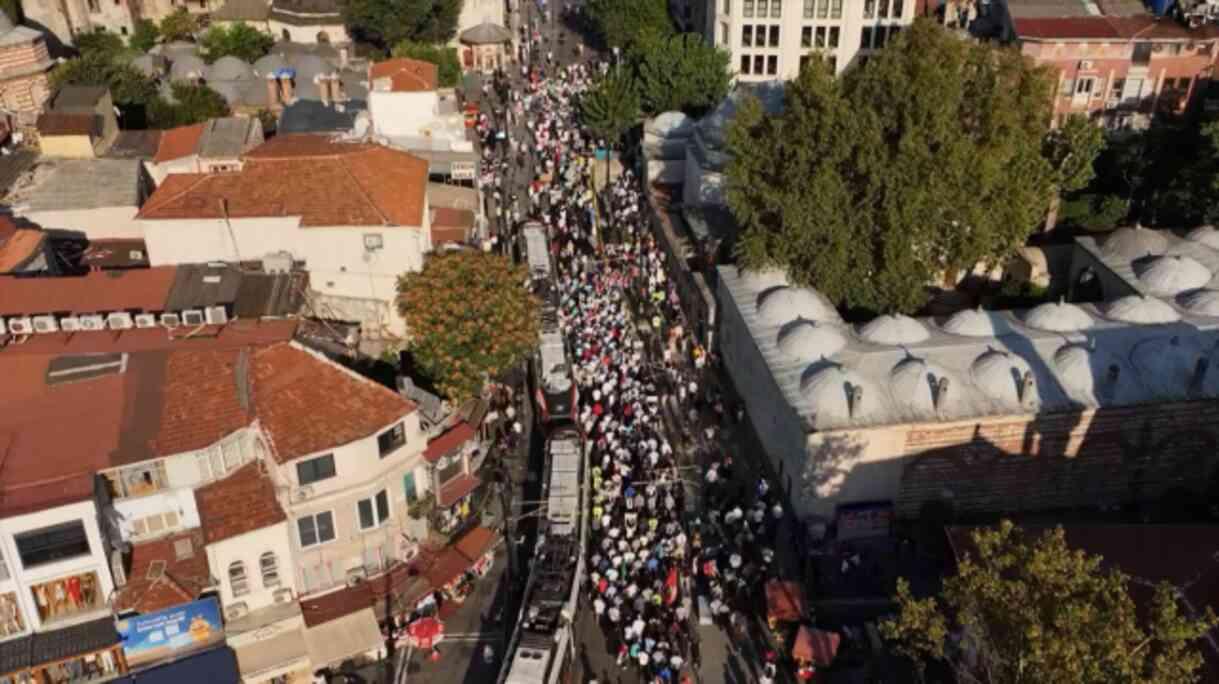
(216, 665)
(450, 564)
(448, 442)
(784, 601)
(333, 642)
(455, 489)
(272, 657)
(477, 542)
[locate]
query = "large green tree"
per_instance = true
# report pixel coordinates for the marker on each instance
(469, 318)
(100, 40)
(448, 67)
(622, 23)
(610, 108)
(1034, 611)
(386, 23)
(239, 40)
(192, 103)
(131, 90)
(680, 72)
(1071, 149)
(179, 25)
(144, 36)
(919, 164)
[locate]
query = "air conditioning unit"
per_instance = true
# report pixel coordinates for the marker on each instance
(92, 322)
(45, 324)
(277, 262)
(119, 321)
(302, 493)
(1086, 65)
(355, 576)
(145, 320)
(193, 317)
(69, 324)
(216, 315)
(236, 611)
(284, 595)
(117, 569)
(20, 326)
(171, 320)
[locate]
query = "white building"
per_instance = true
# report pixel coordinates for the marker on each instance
(356, 214)
(771, 39)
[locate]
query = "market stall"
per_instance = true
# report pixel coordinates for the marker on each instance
(814, 648)
(423, 634)
(785, 606)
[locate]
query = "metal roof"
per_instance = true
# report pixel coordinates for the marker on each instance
(72, 184)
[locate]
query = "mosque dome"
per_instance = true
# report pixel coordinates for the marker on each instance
(229, 90)
(976, 323)
(1200, 302)
(1141, 310)
(784, 304)
(1058, 316)
(230, 68)
(893, 329)
(1206, 235)
(837, 395)
(269, 64)
(1168, 276)
(187, 68)
(807, 341)
(1001, 376)
(1133, 242)
(1084, 371)
(918, 384)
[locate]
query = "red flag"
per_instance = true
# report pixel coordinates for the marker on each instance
(542, 404)
(671, 586)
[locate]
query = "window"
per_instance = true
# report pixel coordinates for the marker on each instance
(772, 65)
(315, 470)
(268, 567)
(833, 36)
(865, 38)
(727, 6)
(821, 36)
(390, 440)
(1083, 87)
(884, 9)
(833, 69)
(748, 9)
(316, 529)
(373, 512)
(869, 9)
(808, 8)
(51, 544)
(747, 35)
(776, 10)
(806, 36)
(823, 8)
(759, 63)
(882, 32)
(122, 29)
(1115, 92)
(724, 33)
(835, 9)
(774, 36)
(238, 582)
(744, 64)
(803, 62)
(763, 5)
(897, 9)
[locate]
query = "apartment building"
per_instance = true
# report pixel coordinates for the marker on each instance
(772, 39)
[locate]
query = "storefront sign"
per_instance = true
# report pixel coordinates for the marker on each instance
(462, 170)
(863, 520)
(171, 633)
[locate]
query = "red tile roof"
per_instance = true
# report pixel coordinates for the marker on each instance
(308, 404)
(1109, 28)
(179, 142)
(449, 441)
(18, 245)
(171, 581)
(144, 289)
(455, 489)
(405, 75)
(240, 503)
(234, 335)
(324, 182)
(319, 610)
(200, 401)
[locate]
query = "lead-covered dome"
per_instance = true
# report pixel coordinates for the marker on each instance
(1089, 375)
(784, 304)
(806, 341)
(269, 64)
(230, 68)
(1177, 365)
(1168, 276)
(1200, 302)
(763, 279)
(1141, 309)
(1004, 377)
(837, 395)
(187, 68)
(894, 330)
(1058, 316)
(1206, 235)
(920, 385)
(1133, 243)
(976, 323)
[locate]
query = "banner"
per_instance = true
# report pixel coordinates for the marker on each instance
(172, 633)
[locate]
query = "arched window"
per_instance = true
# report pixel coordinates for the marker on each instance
(238, 581)
(323, 37)
(268, 565)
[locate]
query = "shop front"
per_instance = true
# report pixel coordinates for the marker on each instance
(87, 652)
(478, 546)
(341, 626)
(456, 504)
(270, 646)
(209, 667)
(171, 634)
(459, 566)
(67, 598)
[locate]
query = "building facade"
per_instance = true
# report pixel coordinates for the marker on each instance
(25, 62)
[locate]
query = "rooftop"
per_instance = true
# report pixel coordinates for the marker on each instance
(243, 10)
(178, 142)
(75, 184)
(240, 503)
(78, 99)
(96, 291)
(135, 145)
(403, 75)
(165, 572)
(18, 245)
(55, 123)
(311, 116)
(325, 182)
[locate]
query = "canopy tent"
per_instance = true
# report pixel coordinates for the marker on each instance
(486, 33)
(784, 601)
(816, 645)
(425, 632)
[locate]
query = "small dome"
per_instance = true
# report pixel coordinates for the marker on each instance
(230, 90)
(1129, 244)
(1058, 317)
(229, 68)
(764, 279)
(893, 329)
(1168, 276)
(671, 125)
(807, 342)
(976, 323)
(187, 68)
(838, 395)
(1001, 376)
(307, 66)
(1206, 235)
(918, 384)
(784, 304)
(1087, 373)
(269, 64)
(1140, 309)
(1200, 302)
(1169, 365)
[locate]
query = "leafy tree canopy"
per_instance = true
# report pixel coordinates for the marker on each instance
(127, 85)
(386, 23)
(100, 41)
(179, 25)
(622, 23)
(192, 103)
(1035, 611)
(470, 318)
(924, 162)
(239, 40)
(448, 66)
(1071, 150)
(611, 106)
(145, 35)
(680, 72)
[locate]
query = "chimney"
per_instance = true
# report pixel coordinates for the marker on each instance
(288, 90)
(1026, 386)
(323, 88)
(941, 392)
(272, 91)
(1115, 371)
(854, 398)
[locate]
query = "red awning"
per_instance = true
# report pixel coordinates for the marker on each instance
(445, 444)
(475, 543)
(784, 601)
(815, 645)
(449, 566)
(455, 489)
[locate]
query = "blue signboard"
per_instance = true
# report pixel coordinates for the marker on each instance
(171, 633)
